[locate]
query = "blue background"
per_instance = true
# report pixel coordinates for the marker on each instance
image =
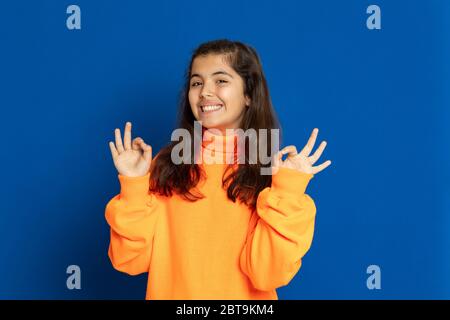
(379, 97)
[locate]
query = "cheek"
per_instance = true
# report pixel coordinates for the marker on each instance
(227, 94)
(192, 102)
(192, 98)
(232, 96)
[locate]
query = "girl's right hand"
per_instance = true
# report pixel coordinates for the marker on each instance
(135, 158)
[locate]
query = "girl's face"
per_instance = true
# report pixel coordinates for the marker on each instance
(216, 93)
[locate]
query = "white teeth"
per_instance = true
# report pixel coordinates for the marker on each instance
(211, 108)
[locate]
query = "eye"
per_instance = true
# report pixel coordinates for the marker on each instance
(194, 84)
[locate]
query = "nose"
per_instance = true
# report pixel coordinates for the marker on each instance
(206, 90)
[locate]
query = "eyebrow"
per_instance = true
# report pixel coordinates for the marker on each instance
(213, 74)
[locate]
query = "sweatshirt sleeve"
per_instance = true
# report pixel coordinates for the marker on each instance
(280, 231)
(132, 217)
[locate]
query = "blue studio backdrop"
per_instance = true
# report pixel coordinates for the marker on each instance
(380, 98)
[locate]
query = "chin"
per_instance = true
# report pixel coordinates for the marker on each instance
(213, 125)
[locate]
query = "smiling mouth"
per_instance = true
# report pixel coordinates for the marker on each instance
(211, 108)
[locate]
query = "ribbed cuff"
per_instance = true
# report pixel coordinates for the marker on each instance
(290, 181)
(134, 189)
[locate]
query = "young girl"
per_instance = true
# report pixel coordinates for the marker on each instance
(219, 230)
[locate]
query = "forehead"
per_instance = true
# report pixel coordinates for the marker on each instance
(206, 65)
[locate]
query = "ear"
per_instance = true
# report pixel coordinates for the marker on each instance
(247, 101)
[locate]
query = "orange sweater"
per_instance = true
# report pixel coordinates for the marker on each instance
(212, 248)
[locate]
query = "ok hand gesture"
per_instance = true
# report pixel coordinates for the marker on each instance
(133, 159)
(302, 161)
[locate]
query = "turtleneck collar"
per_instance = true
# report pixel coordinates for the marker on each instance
(218, 147)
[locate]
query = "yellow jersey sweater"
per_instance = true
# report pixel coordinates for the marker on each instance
(212, 248)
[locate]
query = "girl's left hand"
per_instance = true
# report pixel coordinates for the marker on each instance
(302, 161)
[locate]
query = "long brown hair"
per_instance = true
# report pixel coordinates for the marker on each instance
(243, 182)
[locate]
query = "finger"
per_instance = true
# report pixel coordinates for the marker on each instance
(114, 152)
(310, 144)
(119, 144)
(127, 136)
(136, 145)
(321, 167)
(290, 150)
(318, 152)
(147, 151)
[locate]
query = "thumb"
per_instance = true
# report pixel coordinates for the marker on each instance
(277, 159)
